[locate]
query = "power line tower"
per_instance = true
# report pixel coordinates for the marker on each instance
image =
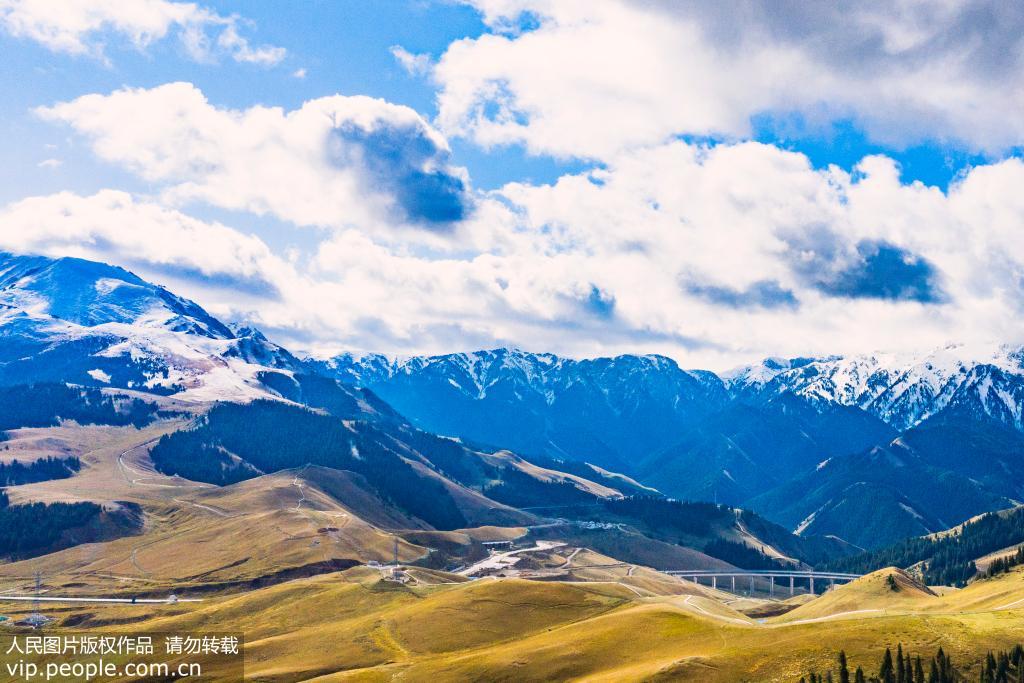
(36, 619)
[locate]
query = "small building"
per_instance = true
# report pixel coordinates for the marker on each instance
(397, 575)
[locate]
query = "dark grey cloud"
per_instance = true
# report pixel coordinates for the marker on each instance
(405, 161)
(885, 271)
(871, 269)
(760, 294)
(983, 37)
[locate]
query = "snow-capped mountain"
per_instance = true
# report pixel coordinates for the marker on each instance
(754, 437)
(538, 402)
(78, 321)
(623, 379)
(90, 294)
(903, 390)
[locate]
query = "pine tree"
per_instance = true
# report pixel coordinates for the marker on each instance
(858, 676)
(900, 671)
(918, 671)
(885, 672)
(1002, 668)
(933, 673)
(844, 671)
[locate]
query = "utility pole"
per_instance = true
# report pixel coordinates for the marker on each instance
(39, 584)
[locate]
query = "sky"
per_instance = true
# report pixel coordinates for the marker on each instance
(716, 182)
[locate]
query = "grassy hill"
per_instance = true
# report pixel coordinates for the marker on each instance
(354, 626)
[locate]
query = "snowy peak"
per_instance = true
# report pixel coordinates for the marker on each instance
(83, 322)
(901, 389)
(90, 294)
(476, 373)
(606, 408)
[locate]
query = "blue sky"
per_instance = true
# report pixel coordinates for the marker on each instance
(344, 47)
(801, 168)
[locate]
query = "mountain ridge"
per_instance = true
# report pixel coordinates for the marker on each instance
(742, 437)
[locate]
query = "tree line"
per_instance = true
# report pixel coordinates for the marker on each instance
(1001, 667)
(949, 559)
(742, 556)
(1001, 565)
(37, 528)
(15, 473)
(671, 517)
(48, 404)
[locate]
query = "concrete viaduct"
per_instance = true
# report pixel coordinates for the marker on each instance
(771, 575)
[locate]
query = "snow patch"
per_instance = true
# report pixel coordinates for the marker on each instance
(99, 375)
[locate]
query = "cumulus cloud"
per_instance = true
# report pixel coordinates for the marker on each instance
(713, 255)
(750, 249)
(572, 78)
(114, 227)
(335, 162)
(82, 27)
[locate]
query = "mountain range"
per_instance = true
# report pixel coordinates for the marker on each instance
(911, 443)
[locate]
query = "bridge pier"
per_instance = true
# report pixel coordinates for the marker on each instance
(751, 584)
(714, 582)
(771, 586)
(791, 587)
(812, 585)
(733, 577)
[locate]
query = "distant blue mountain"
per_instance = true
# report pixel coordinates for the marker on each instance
(609, 411)
(817, 443)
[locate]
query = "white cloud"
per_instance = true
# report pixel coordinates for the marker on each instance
(700, 253)
(416, 65)
(81, 27)
(299, 73)
(50, 163)
(335, 162)
(594, 79)
(113, 226)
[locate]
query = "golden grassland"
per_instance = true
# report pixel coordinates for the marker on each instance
(196, 535)
(355, 626)
(594, 618)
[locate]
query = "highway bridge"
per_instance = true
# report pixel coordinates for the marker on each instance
(770, 575)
